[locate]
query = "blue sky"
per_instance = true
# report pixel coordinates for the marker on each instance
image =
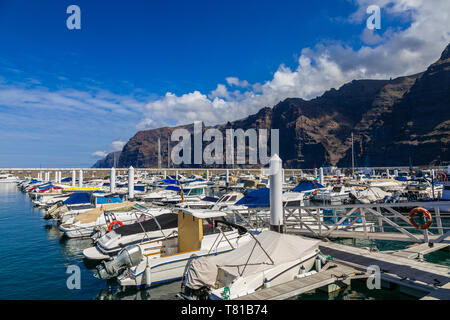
(68, 96)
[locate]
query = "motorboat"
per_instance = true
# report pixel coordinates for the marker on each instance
(269, 259)
(85, 223)
(152, 224)
(8, 178)
(200, 233)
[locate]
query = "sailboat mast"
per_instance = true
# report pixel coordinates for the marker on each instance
(353, 159)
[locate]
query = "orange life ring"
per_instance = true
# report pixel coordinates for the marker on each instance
(113, 223)
(427, 215)
(441, 174)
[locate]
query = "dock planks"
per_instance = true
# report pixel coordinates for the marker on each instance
(299, 286)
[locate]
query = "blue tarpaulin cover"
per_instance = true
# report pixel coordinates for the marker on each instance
(109, 199)
(68, 179)
(258, 198)
(307, 185)
(78, 198)
(46, 186)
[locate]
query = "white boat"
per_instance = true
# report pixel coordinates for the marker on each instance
(159, 224)
(335, 194)
(85, 223)
(8, 178)
(166, 259)
(269, 259)
(224, 201)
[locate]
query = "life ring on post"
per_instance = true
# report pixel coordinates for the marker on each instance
(425, 213)
(441, 176)
(113, 223)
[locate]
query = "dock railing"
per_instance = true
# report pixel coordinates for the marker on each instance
(383, 221)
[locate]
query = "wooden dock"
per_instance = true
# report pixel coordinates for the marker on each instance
(415, 277)
(421, 279)
(418, 251)
(335, 274)
(392, 236)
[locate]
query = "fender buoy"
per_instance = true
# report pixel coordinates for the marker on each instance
(113, 223)
(425, 213)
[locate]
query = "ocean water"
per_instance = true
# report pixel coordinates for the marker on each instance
(34, 260)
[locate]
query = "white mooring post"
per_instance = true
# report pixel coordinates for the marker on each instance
(321, 175)
(396, 173)
(112, 180)
(80, 179)
(74, 178)
(276, 191)
(130, 183)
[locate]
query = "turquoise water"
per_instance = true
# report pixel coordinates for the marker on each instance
(34, 261)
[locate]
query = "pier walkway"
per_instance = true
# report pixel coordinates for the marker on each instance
(421, 279)
(335, 274)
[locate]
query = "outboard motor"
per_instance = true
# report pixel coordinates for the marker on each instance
(98, 233)
(128, 257)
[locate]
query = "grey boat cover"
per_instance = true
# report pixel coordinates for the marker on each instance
(280, 247)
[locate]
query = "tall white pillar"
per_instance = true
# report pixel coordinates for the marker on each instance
(56, 177)
(387, 173)
(74, 178)
(276, 192)
(315, 172)
(112, 180)
(47, 176)
(131, 183)
(80, 179)
(321, 175)
(177, 175)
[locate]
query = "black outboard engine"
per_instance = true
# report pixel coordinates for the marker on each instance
(129, 256)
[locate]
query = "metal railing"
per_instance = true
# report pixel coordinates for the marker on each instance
(385, 221)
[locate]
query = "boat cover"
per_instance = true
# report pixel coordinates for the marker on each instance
(372, 194)
(307, 185)
(93, 214)
(280, 247)
(258, 198)
(78, 198)
(166, 220)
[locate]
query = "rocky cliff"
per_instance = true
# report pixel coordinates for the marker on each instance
(394, 122)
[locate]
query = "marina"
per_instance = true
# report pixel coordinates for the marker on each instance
(123, 264)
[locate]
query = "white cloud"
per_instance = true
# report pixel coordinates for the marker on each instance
(100, 154)
(390, 53)
(117, 145)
